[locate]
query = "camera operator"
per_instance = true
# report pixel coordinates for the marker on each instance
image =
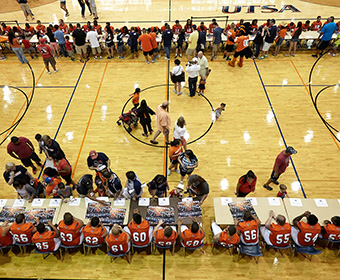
(193, 70)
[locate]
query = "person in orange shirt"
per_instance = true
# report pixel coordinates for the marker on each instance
(279, 39)
(331, 230)
(51, 184)
(45, 239)
(118, 240)
(152, 33)
(135, 97)
(71, 230)
(40, 28)
(192, 237)
(108, 25)
(231, 36)
(306, 26)
(29, 31)
(276, 234)
(71, 27)
(163, 122)
(140, 230)
(146, 41)
(176, 28)
(248, 230)
(22, 231)
(202, 27)
(226, 237)
(241, 50)
(87, 27)
(316, 25)
(6, 237)
(176, 147)
(97, 27)
(165, 236)
(305, 234)
(6, 29)
(95, 232)
(63, 27)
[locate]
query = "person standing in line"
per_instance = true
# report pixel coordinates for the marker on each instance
(258, 40)
(63, 7)
(79, 38)
(133, 42)
(109, 44)
(143, 113)
(69, 48)
(120, 46)
(47, 55)
(53, 42)
(16, 47)
(94, 9)
(167, 37)
(180, 130)
(64, 169)
(146, 39)
(270, 32)
(179, 43)
(177, 76)
(26, 9)
(51, 147)
(192, 43)
(295, 39)
(280, 166)
(82, 7)
(152, 32)
(163, 122)
(279, 39)
(198, 188)
(174, 151)
(246, 184)
(59, 35)
(92, 37)
(229, 47)
(193, 70)
(217, 39)
(326, 36)
(187, 163)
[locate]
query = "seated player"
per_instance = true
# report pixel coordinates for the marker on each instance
(165, 236)
(276, 234)
(248, 230)
(46, 239)
(331, 230)
(6, 237)
(71, 230)
(226, 237)
(305, 234)
(118, 240)
(140, 230)
(95, 232)
(192, 237)
(22, 231)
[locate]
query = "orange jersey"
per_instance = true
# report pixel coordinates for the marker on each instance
(279, 235)
(192, 239)
(153, 42)
(308, 234)
(22, 233)
(282, 33)
(332, 232)
(44, 241)
(249, 231)
(153, 27)
(243, 42)
(30, 30)
(118, 244)
(163, 28)
(188, 29)
(70, 235)
(316, 25)
(50, 188)
(5, 240)
(161, 240)
(202, 28)
(63, 28)
(71, 29)
(98, 28)
(231, 34)
(135, 98)
(146, 42)
(86, 28)
(93, 236)
(225, 240)
(175, 151)
(41, 29)
(6, 30)
(176, 28)
(140, 233)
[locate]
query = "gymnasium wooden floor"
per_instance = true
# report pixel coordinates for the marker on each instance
(80, 105)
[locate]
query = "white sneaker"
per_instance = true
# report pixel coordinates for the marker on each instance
(147, 61)
(175, 91)
(181, 182)
(154, 61)
(169, 172)
(100, 57)
(48, 72)
(95, 57)
(179, 93)
(177, 171)
(56, 70)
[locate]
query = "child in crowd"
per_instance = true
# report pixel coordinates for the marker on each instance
(202, 83)
(179, 45)
(69, 47)
(283, 191)
(100, 190)
(135, 98)
(51, 184)
(29, 48)
(41, 143)
(63, 191)
(177, 192)
(219, 110)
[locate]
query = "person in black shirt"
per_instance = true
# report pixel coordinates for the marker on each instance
(166, 40)
(202, 39)
(96, 160)
(143, 113)
(109, 44)
(16, 172)
(198, 187)
(158, 186)
(133, 42)
(52, 147)
(112, 184)
(79, 38)
(179, 45)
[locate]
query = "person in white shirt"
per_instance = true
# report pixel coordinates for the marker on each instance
(177, 76)
(193, 70)
(92, 37)
(94, 9)
(180, 130)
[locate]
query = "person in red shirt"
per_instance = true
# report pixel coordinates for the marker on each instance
(95, 232)
(118, 241)
(305, 234)
(246, 184)
(241, 50)
(47, 55)
(140, 230)
(28, 47)
(248, 230)
(70, 229)
(23, 149)
(6, 29)
(63, 27)
(188, 27)
(40, 28)
(69, 48)
(202, 28)
(282, 192)
(276, 234)
(29, 30)
(22, 231)
(280, 166)
(97, 27)
(64, 168)
(306, 26)
(165, 236)
(146, 41)
(254, 26)
(46, 239)
(192, 237)
(6, 237)
(316, 25)
(212, 26)
(176, 28)
(331, 230)
(227, 237)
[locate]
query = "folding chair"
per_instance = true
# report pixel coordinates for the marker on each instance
(250, 250)
(66, 249)
(4, 247)
(46, 254)
(332, 242)
(192, 249)
(279, 249)
(171, 248)
(142, 247)
(127, 255)
(23, 247)
(87, 247)
(306, 250)
(229, 247)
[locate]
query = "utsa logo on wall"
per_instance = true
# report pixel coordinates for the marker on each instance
(255, 8)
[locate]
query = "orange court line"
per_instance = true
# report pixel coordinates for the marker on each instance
(23, 105)
(89, 121)
(297, 71)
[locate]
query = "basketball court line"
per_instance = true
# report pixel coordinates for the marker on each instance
(45, 87)
(295, 85)
(278, 126)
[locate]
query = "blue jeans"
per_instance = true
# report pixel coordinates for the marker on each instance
(192, 86)
(167, 51)
(63, 49)
(20, 54)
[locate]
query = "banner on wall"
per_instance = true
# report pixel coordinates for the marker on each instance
(266, 9)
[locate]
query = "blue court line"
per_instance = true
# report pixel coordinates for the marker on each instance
(47, 87)
(295, 85)
(66, 109)
(278, 126)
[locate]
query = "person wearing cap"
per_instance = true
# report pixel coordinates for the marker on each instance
(217, 39)
(192, 42)
(163, 122)
(47, 55)
(193, 70)
(198, 187)
(280, 166)
(16, 172)
(50, 184)
(92, 37)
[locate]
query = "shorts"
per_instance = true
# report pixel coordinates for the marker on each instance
(54, 46)
(96, 50)
(185, 172)
(179, 45)
(62, 2)
(148, 53)
(274, 178)
(266, 46)
(294, 40)
(229, 48)
(190, 52)
(67, 178)
(27, 161)
(176, 79)
(279, 42)
(70, 53)
(174, 161)
(81, 49)
(134, 48)
(109, 44)
(322, 45)
(215, 47)
(121, 49)
(201, 86)
(49, 60)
